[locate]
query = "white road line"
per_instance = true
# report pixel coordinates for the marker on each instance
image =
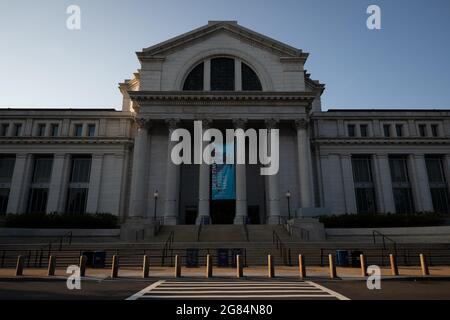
(141, 293)
(241, 296)
(236, 291)
(333, 293)
(182, 289)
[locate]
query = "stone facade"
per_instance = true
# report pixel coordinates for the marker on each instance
(129, 149)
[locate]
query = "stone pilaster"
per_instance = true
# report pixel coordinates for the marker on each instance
(204, 184)
(140, 168)
(241, 184)
(172, 180)
(272, 184)
(304, 164)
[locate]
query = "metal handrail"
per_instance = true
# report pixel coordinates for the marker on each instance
(384, 237)
(167, 247)
(288, 227)
(244, 223)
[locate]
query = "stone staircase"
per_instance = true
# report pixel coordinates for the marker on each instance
(161, 249)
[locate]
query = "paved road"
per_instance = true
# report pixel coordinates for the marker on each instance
(256, 290)
(150, 289)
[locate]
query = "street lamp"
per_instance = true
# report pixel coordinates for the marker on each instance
(155, 196)
(288, 197)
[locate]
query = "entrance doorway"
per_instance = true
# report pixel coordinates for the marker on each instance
(190, 215)
(222, 211)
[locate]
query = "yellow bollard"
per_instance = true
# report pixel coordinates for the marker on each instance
(209, 271)
(19, 266)
(239, 270)
(362, 260)
(394, 268)
(82, 265)
(301, 266)
(177, 271)
(270, 266)
(145, 267)
(51, 266)
(333, 273)
(115, 266)
(424, 265)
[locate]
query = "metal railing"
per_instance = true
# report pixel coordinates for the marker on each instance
(285, 252)
(168, 248)
(304, 234)
(384, 237)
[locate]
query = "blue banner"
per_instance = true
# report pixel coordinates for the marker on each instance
(223, 177)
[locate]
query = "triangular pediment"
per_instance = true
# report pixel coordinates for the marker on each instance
(232, 27)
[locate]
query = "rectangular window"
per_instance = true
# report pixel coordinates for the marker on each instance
(91, 130)
(40, 181)
(351, 130)
(364, 131)
(387, 130)
(79, 184)
(6, 173)
(54, 129)
(4, 129)
(401, 184)
(434, 130)
(4, 196)
(422, 130)
(78, 130)
(399, 130)
(41, 130)
(438, 184)
(364, 186)
(222, 74)
(17, 130)
(6, 168)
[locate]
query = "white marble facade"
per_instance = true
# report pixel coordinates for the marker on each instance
(129, 148)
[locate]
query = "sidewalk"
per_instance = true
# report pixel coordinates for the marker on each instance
(253, 272)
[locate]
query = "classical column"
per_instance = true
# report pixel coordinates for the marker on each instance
(203, 183)
(304, 164)
(19, 183)
(384, 183)
(273, 201)
(241, 183)
(349, 184)
(172, 180)
(139, 172)
(95, 181)
(57, 188)
(421, 186)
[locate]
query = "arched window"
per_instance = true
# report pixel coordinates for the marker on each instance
(250, 81)
(194, 81)
(223, 75)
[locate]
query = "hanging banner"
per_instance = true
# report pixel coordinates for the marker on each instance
(223, 178)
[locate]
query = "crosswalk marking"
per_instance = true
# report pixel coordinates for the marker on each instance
(235, 290)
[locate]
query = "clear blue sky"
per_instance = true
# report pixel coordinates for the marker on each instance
(405, 65)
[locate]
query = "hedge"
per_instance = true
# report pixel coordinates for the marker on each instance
(383, 220)
(62, 220)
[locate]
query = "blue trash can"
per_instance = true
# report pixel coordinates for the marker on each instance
(99, 259)
(342, 258)
(192, 258)
(222, 258)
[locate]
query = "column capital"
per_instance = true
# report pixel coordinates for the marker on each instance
(172, 123)
(206, 123)
(271, 123)
(239, 123)
(142, 123)
(301, 123)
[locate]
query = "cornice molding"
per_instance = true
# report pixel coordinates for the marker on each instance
(221, 98)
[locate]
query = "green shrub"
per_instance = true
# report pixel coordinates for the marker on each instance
(62, 220)
(382, 220)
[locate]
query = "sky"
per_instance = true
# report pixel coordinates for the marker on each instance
(406, 64)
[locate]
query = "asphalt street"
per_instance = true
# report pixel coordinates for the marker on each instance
(121, 289)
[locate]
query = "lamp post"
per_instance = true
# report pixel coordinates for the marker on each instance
(288, 197)
(155, 196)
